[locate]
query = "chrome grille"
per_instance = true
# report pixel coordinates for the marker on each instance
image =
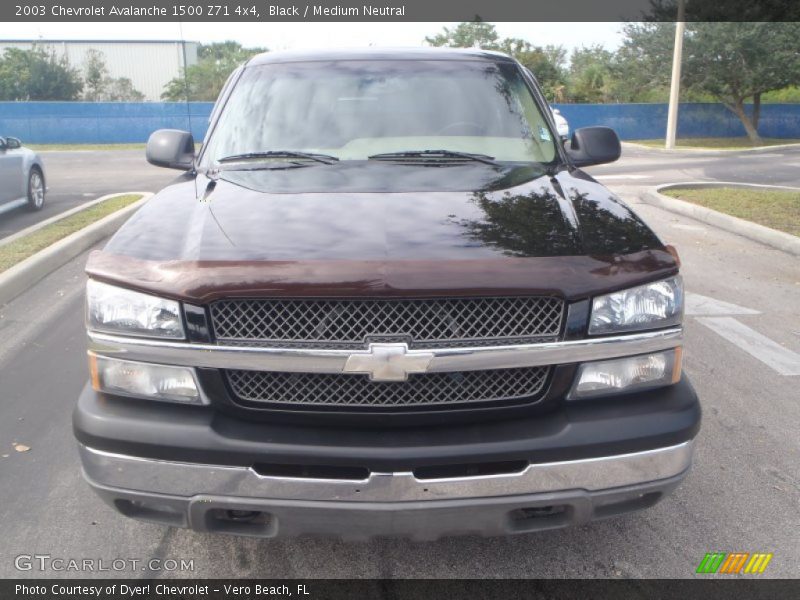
(423, 390)
(433, 322)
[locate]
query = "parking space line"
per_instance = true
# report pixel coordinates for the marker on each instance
(697, 304)
(758, 346)
(623, 176)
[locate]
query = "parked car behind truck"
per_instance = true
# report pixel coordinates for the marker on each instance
(384, 299)
(22, 181)
(562, 125)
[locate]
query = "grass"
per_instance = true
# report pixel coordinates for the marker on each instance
(19, 250)
(73, 147)
(719, 143)
(772, 208)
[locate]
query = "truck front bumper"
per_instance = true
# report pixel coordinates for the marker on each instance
(238, 500)
(202, 469)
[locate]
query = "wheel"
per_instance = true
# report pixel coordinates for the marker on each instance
(35, 189)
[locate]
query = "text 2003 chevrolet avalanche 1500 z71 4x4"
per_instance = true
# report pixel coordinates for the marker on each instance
(383, 299)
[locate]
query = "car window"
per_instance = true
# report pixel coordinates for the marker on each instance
(355, 109)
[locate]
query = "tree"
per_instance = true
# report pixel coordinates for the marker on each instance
(95, 75)
(737, 61)
(472, 34)
(730, 62)
(546, 63)
(591, 75)
(643, 63)
(204, 80)
(120, 89)
(37, 74)
(99, 86)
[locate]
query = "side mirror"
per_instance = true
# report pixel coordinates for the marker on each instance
(171, 148)
(594, 146)
(13, 143)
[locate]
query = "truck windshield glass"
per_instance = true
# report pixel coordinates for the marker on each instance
(356, 109)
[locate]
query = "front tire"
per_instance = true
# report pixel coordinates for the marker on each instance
(36, 189)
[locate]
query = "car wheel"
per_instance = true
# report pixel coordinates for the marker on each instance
(35, 189)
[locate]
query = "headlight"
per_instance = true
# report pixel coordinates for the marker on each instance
(144, 380)
(649, 306)
(117, 310)
(632, 373)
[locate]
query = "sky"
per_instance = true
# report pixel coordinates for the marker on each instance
(285, 36)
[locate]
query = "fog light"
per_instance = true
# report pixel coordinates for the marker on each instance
(144, 380)
(632, 373)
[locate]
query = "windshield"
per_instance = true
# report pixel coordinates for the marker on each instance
(353, 110)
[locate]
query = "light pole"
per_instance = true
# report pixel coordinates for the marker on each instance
(675, 84)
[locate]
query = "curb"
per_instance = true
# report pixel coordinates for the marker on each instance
(23, 275)
(63, 215)
(713, 151)
(753, 231)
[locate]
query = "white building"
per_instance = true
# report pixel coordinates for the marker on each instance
(148, 64)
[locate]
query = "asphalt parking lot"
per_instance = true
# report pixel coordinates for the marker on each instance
(743, 494)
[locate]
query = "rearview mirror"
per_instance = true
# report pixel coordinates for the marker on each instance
(594, 146)
(13, 143)
(171, 148)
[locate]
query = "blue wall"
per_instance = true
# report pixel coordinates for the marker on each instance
(99, 122)
(126, 122)
(649, 121)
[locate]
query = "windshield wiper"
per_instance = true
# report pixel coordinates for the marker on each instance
(322, 158)
(434, 154)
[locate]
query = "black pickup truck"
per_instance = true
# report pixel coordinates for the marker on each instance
(384, 299)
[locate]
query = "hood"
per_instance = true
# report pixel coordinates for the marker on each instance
(245, 234)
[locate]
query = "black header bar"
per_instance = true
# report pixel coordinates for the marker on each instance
(366, 589)
(395, 10)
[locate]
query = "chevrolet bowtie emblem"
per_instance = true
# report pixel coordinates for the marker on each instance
(388, 362)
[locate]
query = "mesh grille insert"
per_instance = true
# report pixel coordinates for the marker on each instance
(347, 390)
(422, 322)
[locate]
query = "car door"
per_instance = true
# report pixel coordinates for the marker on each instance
(12, 179)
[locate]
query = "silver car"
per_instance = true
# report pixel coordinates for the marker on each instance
(562, 126)
(22, 181)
